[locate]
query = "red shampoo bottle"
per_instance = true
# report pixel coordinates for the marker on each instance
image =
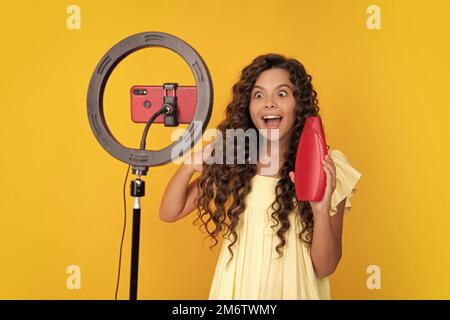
(310, 176)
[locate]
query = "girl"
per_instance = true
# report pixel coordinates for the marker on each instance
(275, 247)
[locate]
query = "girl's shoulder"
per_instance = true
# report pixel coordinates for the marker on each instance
(347, 176)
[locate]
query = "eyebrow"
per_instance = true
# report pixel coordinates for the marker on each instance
(279, 86)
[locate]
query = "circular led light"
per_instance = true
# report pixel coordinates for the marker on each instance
(146, 158)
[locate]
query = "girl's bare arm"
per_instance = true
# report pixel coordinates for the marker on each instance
(180, 193)
(178, 198)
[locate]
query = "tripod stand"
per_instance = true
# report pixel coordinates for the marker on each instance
(137, 186)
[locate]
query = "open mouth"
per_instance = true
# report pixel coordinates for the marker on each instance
(272, 121)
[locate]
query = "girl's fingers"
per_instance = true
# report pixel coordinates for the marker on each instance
(329, 164)
(292, 176)
(329, 160)
(329, 187)
(327, 171)
(331, 175)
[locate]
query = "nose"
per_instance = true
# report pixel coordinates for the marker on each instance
(269, 105)
(269, 102)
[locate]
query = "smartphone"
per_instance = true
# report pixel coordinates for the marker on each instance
(148, 99)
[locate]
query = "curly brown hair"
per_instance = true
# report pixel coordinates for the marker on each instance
(227, 185)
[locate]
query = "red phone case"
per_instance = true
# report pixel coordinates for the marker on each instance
(310, 177)
(141, 112)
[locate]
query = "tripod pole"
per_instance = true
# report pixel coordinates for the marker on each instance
(135, 251)
(137, 191)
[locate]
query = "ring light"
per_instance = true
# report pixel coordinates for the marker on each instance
(145, 158)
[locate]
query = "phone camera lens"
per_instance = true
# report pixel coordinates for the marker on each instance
(139, 92)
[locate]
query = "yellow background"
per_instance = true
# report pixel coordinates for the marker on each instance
(384, 101)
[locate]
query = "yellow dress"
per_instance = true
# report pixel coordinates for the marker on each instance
(254, 272)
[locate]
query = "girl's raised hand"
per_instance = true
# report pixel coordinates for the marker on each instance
(195, 160)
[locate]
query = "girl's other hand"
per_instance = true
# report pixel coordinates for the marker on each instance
(330, 169)
(195, 161)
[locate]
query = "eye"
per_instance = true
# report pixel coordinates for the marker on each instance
(255, 95)
(284, 92)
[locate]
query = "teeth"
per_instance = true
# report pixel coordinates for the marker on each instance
(271, 117)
